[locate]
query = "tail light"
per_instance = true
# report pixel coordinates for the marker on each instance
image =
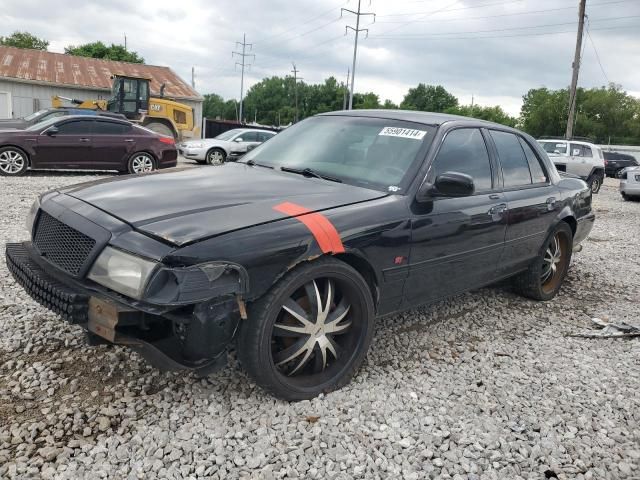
(167, 140)
(606, 162)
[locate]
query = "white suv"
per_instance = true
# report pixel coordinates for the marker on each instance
(578, 158)
(630, 183)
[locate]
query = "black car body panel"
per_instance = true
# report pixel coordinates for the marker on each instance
(614, 162)
(257, 224)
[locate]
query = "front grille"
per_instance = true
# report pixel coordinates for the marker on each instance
(62, 245)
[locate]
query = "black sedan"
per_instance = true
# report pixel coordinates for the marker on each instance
(85, 143)
(291, 254)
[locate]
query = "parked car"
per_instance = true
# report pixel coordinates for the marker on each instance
(630, 183)
(48, 113)
(614, 162)
(85, 143)
(291, 253)
(579, 158)
(227, 146)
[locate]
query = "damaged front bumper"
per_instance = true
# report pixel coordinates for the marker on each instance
(178, 336)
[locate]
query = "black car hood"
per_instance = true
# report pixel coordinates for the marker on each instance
(182, 206)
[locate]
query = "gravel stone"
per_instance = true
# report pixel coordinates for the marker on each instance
(486, 385)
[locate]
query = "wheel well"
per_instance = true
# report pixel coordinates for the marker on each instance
(144, 151)
(572, 223)
(217, 148)
(365, 269)
(26, 154)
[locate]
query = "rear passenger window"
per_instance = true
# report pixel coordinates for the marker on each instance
(464, 151)
(535, 165)
(77, 127)
(515, 167)
(110, 128)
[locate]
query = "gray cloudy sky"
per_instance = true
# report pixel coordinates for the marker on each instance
(493, 49)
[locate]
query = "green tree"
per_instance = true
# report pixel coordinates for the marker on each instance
(492, 114)
(365, 100)
(100, 50)
(429, 98)
(24, 40)
(389, 105)
(544, 112)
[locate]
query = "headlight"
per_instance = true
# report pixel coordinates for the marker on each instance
(122, 272)
(194, 145)
(31, 216)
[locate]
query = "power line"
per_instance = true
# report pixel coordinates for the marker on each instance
(448, 9)
(501, 15)
(596, 52)
(357, 31)
(243, 63)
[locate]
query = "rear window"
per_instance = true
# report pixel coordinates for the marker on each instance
(554, 147)
(515, 167)
(110, 128)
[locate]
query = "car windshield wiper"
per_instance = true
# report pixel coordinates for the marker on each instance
(253, 163)
(308, 172)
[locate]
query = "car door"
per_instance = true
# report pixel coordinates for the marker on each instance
(456, 242)
(532, 200)
(581, 160)
(112, 144)
(246, 140)
(66, 144)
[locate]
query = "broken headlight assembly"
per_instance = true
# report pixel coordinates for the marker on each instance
(122, 272)
(196, 283)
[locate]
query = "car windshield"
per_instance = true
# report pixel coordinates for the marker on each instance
(369, 152)
(228, 134)
(42, 124)
(554, 147)
(34, 115)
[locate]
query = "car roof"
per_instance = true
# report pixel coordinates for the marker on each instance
(577, 142)
(427, 118)
(95, 118)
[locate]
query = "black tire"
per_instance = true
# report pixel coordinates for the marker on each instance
(13, 162)
(625, 197)
(330, 354)
(141, 162)
(595, 182)
(544, 277)
(216, 156)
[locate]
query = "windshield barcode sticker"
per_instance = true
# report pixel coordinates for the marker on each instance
(403, 133)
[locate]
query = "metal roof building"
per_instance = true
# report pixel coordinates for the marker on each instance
(29, 78)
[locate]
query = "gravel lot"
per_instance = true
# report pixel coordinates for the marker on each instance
(483, 386)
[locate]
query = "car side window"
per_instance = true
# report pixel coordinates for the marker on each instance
(110, 128)
(515, 167)
(578, 150)
(75, 127)
(535, 165)
(263, 137)
(464, 151)
(249, 137)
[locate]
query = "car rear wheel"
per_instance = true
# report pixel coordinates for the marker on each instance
(310, 333)
(141, 162)
(595, 183)
(13, 162)
(543, 279)
(216, 156)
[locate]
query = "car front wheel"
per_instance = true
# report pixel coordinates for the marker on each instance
(310, 333)
(544, 277)
(13, 162)
(595, 183)
(216, 156)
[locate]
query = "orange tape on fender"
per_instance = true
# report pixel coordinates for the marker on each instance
(320, 227)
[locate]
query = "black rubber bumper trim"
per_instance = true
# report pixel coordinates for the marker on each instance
(48, 292)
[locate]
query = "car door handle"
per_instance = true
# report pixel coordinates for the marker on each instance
(85, 139)
(498, 209)
(494, 196)
(130, 140)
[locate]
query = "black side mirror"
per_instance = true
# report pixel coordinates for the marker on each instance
(447, 184)
(53, 131)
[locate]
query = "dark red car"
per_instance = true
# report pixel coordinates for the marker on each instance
(85, 143)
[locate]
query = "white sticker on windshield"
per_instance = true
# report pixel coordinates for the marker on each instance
(403, 133)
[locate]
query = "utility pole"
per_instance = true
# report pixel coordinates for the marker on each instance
(357, 30)
(193, 77)
(576, 71)
(243, 55)
(346, 87)
(295, 82)
(125, 42)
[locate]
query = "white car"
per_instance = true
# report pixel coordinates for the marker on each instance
(227, 146)
(630, 183)
(578, 158)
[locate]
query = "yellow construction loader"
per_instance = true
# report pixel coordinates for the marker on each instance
(131, 97)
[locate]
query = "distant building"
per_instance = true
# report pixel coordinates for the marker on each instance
(29, 78)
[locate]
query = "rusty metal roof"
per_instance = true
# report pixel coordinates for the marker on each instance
(83, 72)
